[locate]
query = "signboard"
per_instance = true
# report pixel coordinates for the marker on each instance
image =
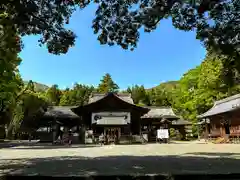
(111, 118)
(162, 133)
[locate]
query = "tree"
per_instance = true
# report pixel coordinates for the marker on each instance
(23, 104)
(9, 91)
(162, 95)
(220, 33)
(138, 94)
(10, 80)
(107, 85)
(53, 95)
(200, 87)
(77, 96)
(45, 18)
(27, 111)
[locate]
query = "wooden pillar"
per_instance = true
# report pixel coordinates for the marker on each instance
(198, 131)
(130, 129)
(54, 131)
(140, 128)
(167, 127)
(119, 133)
(206, 130)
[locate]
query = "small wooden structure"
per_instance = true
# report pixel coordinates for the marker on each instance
(156, 118)
(183, 127)
(223, 119)
(47, 127)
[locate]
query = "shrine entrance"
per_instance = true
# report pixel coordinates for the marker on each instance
(112, 135)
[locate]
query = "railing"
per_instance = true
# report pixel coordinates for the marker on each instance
(234, 137)
(214, 135)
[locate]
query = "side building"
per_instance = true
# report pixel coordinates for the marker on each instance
(223, 119)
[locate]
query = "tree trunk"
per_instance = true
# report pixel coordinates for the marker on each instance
(9, 125)
(9, 131)
(82, 132)
(2, 132)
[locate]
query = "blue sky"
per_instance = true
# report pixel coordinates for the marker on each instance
(163, 55)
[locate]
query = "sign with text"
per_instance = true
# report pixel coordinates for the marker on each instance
(162, 133)
(113, 118)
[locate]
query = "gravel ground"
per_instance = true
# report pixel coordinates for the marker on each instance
(123, 159)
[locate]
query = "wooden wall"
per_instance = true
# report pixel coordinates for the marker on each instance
(218, 129)
(235, 123)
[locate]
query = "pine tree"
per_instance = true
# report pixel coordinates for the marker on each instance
(107, 84)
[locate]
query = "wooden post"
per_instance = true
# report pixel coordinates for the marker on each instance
(54, 129)
(206, 130)
(198, 131)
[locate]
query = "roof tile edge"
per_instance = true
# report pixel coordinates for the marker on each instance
(227, 99)
(117, 94)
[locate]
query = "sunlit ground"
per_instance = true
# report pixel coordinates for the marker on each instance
(122, 159)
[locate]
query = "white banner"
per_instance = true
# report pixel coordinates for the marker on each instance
(162, 133)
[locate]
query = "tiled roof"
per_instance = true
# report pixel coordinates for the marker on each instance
(124, 97)
(160, 112)
(202, 122)
(225, 105)
(60, 111)
(181, 122)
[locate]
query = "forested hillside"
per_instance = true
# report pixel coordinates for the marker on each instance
(193, 94)
(38, 86)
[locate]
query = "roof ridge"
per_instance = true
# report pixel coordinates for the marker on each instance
(100, 94)
(118, 94)
(227, 99)
(225, 105)
(160, 107)
(124, 94)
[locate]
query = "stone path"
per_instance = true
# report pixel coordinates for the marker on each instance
(122, 159)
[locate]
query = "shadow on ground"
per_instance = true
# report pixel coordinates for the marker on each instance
(115, 165)
(36, 145)
(10, 144)
(225, 155)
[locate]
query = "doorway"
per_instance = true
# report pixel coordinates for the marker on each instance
(112, 135)
(227, 128)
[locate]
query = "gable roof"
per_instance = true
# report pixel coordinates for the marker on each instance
(96, 97)
(160, 112)
(222, 106)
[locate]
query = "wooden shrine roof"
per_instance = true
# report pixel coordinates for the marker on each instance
(160, 112)
(181, 122)
(61, 112)
(222, 106)
(125, 97)
(100, 102)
